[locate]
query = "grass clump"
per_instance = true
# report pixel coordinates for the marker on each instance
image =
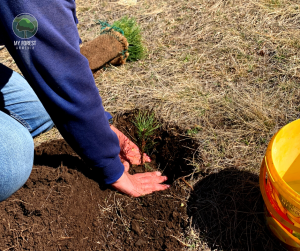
(132, 32)
(146, 125)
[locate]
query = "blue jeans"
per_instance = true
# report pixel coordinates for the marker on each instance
(22, 117)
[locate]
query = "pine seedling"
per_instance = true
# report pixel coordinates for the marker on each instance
(132, 32)
(146, 125)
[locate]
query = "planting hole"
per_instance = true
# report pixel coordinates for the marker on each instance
(64, 204)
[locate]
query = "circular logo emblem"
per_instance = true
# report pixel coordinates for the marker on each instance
(25, 26)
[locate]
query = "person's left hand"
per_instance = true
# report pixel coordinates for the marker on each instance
(129, 152)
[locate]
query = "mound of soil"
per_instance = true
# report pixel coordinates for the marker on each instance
(64, 206)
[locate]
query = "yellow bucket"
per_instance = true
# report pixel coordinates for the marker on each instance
(280, 185)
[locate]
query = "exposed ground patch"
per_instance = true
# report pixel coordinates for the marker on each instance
(63, 205)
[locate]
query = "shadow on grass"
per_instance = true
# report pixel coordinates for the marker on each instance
(228, 210)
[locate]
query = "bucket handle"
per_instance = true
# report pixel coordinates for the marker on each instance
(262, 184)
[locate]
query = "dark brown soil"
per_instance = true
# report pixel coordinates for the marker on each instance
(172, 150)
(64, 206)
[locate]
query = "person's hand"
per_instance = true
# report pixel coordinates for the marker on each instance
(129, 153)
(140, 184)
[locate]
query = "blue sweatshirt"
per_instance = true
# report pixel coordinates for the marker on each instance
(61, 77)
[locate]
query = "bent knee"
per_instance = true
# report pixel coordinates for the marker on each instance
(16, 156)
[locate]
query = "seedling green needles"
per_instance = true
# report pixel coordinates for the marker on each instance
(146, 125)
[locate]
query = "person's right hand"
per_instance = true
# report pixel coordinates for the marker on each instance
(129, 152)
(140, 184)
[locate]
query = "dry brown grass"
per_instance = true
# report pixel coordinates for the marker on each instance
(231, 68)
(7, 60)
(226, 70)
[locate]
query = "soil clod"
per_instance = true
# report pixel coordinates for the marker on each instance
(136, 227)
(140, 242)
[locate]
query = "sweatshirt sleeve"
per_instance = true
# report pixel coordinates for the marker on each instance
(62, 79)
